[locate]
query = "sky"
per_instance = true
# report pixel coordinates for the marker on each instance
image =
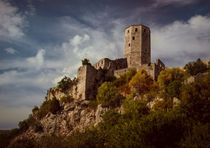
(43, 40)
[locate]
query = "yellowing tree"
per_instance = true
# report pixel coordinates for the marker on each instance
(142, 83)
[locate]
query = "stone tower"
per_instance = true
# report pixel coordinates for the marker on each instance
(137, 45)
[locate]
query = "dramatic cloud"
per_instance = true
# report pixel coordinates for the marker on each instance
(11, 21)
(10, 50)
(38, 60)
(178, 2)
(181, 42)
(54, 42)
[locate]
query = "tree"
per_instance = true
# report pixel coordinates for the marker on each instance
(170, 81)
(195, 99)
(142, 83)
(194, 68)
(134, 109)
(123, 82)
(85, 62)
(66, 83)
(108, 95)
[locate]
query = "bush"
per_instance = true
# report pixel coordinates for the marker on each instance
(163, 105)
(22, 143)
(51, 141)
(37, 126)
(197, 137)
(25, 124)
(93, 105)
(170, 81)
(67, 99)
(194, 68)
(85, 62)
(195, 99)
(141, 83)
(48, 106)
(134, 109)
(35, 109)
(108, 95)
(66, 83)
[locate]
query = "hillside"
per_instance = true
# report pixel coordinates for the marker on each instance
(130, 111)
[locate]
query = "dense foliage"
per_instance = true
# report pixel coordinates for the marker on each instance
(66, 83)
(194, 68)
(108, 95)
(165, 125)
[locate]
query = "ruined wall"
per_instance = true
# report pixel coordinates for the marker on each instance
(89, 79)
(159, 66)
(152, 69)
(137, 46)
(58, 94)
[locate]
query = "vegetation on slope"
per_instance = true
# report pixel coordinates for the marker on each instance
(166, 125)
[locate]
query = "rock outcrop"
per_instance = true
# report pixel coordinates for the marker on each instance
(71, 117)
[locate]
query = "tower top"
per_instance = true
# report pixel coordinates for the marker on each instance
(138, 26)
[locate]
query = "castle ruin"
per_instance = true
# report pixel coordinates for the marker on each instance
(137, 54)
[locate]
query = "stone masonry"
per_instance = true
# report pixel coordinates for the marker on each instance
(137, 54)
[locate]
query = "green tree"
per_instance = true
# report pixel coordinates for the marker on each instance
(134, 109)
(48, 106)
(194, 68)
(195, 99)
(170, 81)
(108, 95)
(66, 83)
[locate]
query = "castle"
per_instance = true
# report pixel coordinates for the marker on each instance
(137, 54)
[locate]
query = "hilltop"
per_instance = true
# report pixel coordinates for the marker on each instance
(126, 102)
(130, 111)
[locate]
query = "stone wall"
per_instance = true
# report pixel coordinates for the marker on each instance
(137, 45)
(89, 79)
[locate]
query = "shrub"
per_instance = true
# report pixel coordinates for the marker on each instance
(108, 95)
(67, 99)
(22, 143)
(197, 137)
(194, 68)
(25, 124)
(66, 83)
(142, 83)
(134, 109)
(37, 126)
(48, 106)
(35, 109)
(164, 104)
(85, 62)
(170, 81)
(93, 105)
(195, 99)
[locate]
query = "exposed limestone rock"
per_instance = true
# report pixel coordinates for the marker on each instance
(72, 116)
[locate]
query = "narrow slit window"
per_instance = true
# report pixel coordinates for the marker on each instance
(128, 31)
(129, 44)
(133, 38)
(136, 29)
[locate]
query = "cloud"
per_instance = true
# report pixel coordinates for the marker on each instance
(10, 50)
(38, 60)
(181, 42)
(11, 21)
(177, 2)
